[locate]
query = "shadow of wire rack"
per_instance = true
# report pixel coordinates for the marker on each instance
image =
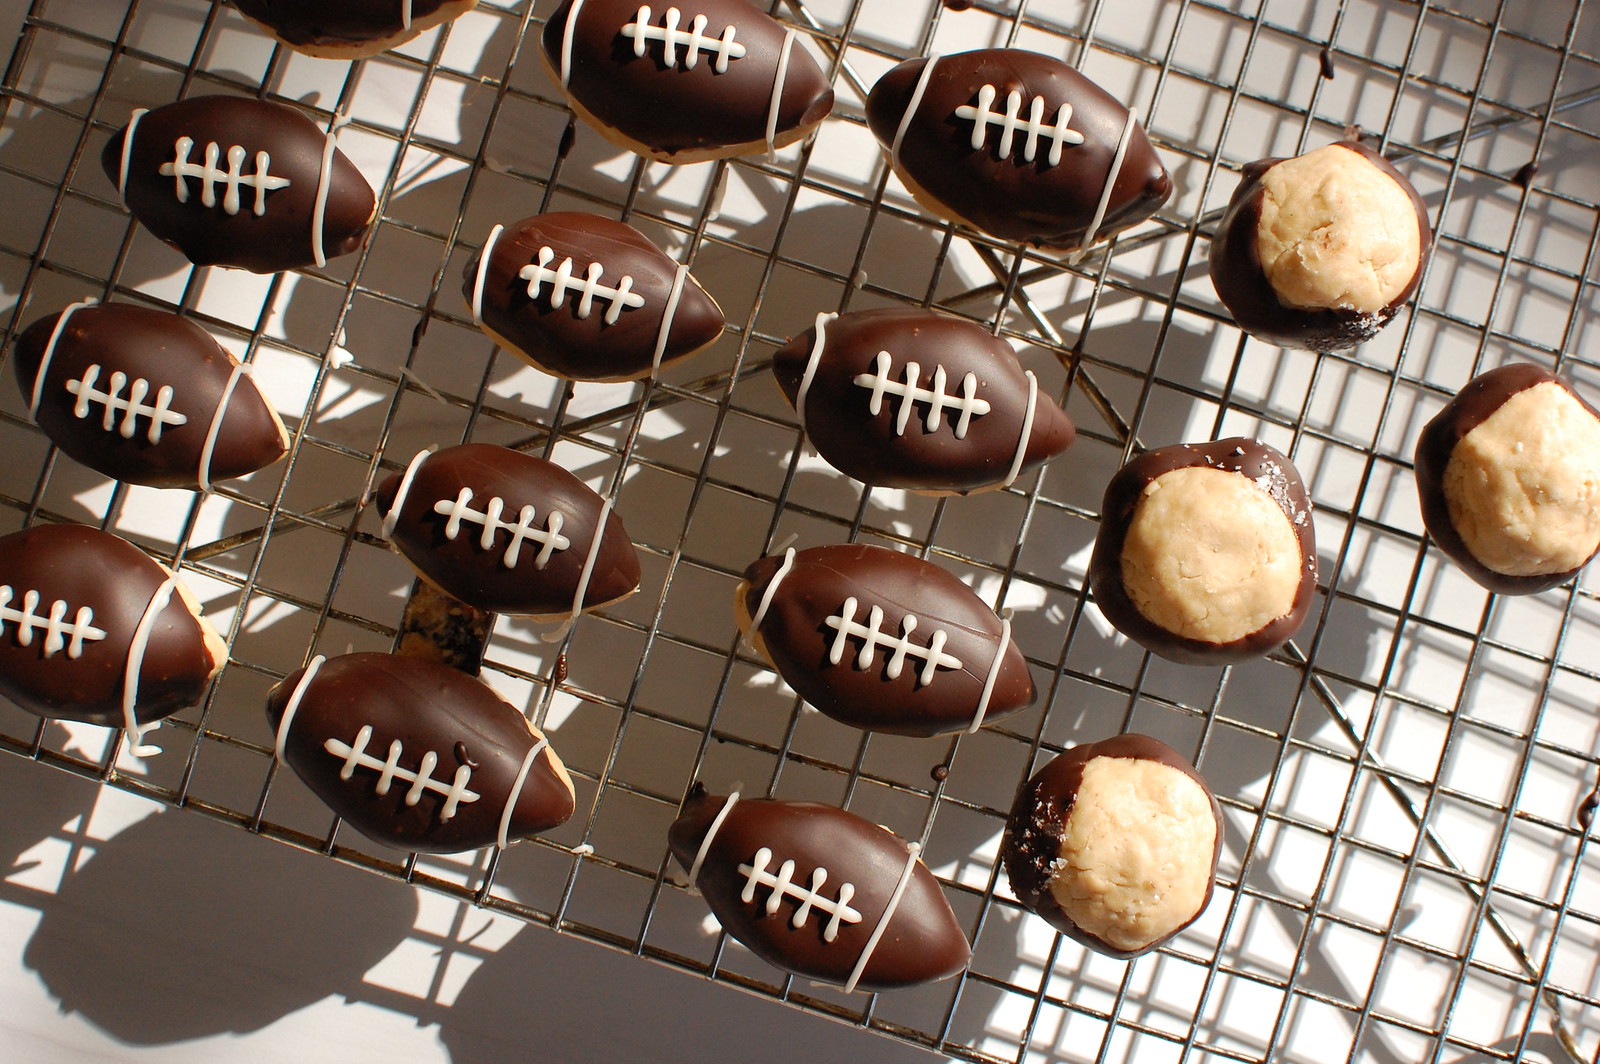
(1404, 875)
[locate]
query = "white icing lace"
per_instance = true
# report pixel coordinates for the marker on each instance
(523, 530)
(777, 88)
(782, 886)
(214, 430)
(560, 632)
(405, 14)
(880, 383)
(693, 41)
(562, 280)
(319, 204)
(131, 408)
(127, 146)
(912, 850)
(291, 707)
(388, 768)
(911, 107)
(668, 315)
(994, 673)
(567, 33)
(711, 833)
(50, 353)
(392, 518)
(1111, 180)
(1027, 430)
(766, 596)
(812, 362)
(900, 647)
(180, 169)
(483, 271)
(503, 839)
(137, 648)
(59, 633)
(1034, 127)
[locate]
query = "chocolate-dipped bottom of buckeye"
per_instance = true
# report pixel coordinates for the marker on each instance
(587, 298)
(1206, 553)
(706, 80)
(144, 396)
(1508, 475)
(93, 629)
(349, 29)
(1322, 250)
(1115, 844)
(883, 641)
(234, 181)
(818, 891)
(908, 398)
(1069, 167)
(417, 755)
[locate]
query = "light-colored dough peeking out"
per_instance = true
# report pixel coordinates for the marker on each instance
(1336, 232)
(1209, 555)
(1523, 487)
(1136, 854)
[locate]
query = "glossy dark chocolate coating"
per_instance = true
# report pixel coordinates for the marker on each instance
(1242, 285)
(922, 943)
(165, 350)
(335, 22)
(1475, 403)
(1252, 459)
(556, 339)
(279, 239)
(87, 567)
(427, 707)
(1049, 206)
(478, 577)
(863, 445)
(677, 109)
(796, 638)
(1031, 846)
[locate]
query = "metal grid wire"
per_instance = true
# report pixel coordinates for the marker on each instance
(1404, 877)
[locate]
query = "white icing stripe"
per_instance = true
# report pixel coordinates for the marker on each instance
(503, 839)
(1111, 180)
(130, 407)
(292, 707)
(483, 274)
(127, 147)
(583, 579)
(899, 647)
(667, 317)
(50, 353)
(1027, 431)
(811, 366)
(766, 596)
(239, 370)
(405, 14)
(777, 88)
(567, 32)
(994, 672)
(319, 208)
(138, 646)
(912, 850)
(911, 108)
(392, 518)
(711, 833)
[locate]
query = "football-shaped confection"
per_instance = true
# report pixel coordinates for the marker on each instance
(905, 398)
(508, 532)
(1322, 250)
(587, 298)
(1508, 474)
(93, 629)
(349, 29)
(818, 891)
(1017, 144)
(682, 84)
(417, 755)
(144, 396)
(1206, 552)
(882, 640)
(231, 181)
(1115, 843)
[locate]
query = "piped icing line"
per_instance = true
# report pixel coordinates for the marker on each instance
(667, 316)
(881, 382)
(777, 88)
(766, 597)
(1034, 128)
(1027, 430)
(693, 41)
(564, 280)
(291, 707)
(209, 175)
(59, 633)
(595, 544)
(354, 755)
(127, 147)
(911, 107)
(240, 369)
(994, 672)
(1111, 181)
(899, 647)
(912, 850)
(503, 838)
(567, 33)
(50, 353)
(319, 207)
(138, 646)
(392, 518)
(130, 407)
(783, 888)
(483, 274)
(812, 361)
(710, 836)
(405, 14)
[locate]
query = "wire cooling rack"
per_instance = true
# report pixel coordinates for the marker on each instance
(1404, 877)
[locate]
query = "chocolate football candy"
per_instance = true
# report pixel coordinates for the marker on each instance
(93, 629)
(1206, 554)
(1017, 144)
(417, 755)
(883, 641)
(587, 298)
(1508, 474)
(1322, 250)
(904, 398)
(681, 85)
(232, 181)
(1115, 844)
(349, 29)
(508, 532)
(145, 396)
(818, 891)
